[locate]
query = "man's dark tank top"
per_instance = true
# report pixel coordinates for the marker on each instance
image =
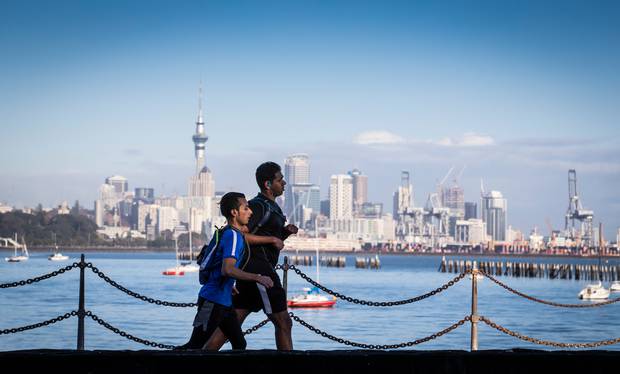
(274, 226)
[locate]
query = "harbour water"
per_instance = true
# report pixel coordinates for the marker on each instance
(400, 277)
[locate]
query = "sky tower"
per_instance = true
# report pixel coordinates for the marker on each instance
(200, 138)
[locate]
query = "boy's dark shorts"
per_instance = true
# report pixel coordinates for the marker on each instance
(254, 296)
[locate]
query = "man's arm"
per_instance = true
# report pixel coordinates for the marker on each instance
(230, 270)
(258, 239)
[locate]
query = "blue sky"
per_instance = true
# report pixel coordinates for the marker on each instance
(517, 91)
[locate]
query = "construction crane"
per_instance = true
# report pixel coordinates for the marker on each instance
(576, 212)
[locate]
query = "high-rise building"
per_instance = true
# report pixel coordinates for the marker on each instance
(403, 197)
(340, 197)
(167, 219)
(454, 198)
(494, 212)
(306, 202)
(119, 183)
(297, 169)
(471, 210)
(296, 173)
(144, 194)
(360, 190)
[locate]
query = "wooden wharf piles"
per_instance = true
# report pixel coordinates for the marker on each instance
(367, 263)
(536, 270)
(329, 261)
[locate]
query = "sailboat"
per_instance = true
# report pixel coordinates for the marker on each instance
(23, 256)
(57, 256)
(177, 269)
(312, 298)
(188, 266)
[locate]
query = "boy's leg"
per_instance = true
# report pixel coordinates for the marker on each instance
(218, 339)
(230, 326)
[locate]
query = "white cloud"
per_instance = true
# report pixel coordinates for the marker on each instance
(469, 139)
(377, 138)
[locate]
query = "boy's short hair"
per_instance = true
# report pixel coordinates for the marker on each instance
(266, 172)
(230, 201)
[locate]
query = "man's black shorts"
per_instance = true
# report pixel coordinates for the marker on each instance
(254, 296)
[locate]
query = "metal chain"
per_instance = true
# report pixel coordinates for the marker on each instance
(122, 333)
(256, 327)
(135, 294)
(40, 324)
(40, 278)
(378, 303)
(379, 346)
(547, 342)
(510, 289)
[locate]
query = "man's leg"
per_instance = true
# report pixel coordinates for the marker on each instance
(218, 339)
(283, 324)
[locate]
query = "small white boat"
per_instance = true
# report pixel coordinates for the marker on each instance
(57, 256)
(188, 267)
(594, 292)
(615, 286)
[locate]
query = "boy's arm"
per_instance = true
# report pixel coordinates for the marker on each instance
(230, 270)
(257, 239)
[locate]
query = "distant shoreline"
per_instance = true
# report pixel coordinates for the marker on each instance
(47, 249)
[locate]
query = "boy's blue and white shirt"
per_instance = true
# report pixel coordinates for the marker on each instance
(218, 289)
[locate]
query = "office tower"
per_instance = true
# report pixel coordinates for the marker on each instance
(403, 197)
(494, 212)
(144, 194)
(296, 172)
(471, 210)
(340, 197)
(360, 190)
(119, 183)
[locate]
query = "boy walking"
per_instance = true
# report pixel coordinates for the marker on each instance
(215, 296)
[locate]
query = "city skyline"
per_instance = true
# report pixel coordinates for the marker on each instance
(398, 88)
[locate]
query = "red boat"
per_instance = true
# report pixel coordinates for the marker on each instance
(173, 271)
(311, 299)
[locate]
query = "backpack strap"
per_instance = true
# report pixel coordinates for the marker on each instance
(266, 214)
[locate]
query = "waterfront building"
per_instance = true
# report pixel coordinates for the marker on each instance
(471, 232)
(325, 208)
(494, 212)
(371, 210)
(340, 197)
(471, 210)
(368, 230)
(360, 190)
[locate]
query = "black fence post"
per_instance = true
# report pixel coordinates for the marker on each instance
(81, 313)
(285, 275)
